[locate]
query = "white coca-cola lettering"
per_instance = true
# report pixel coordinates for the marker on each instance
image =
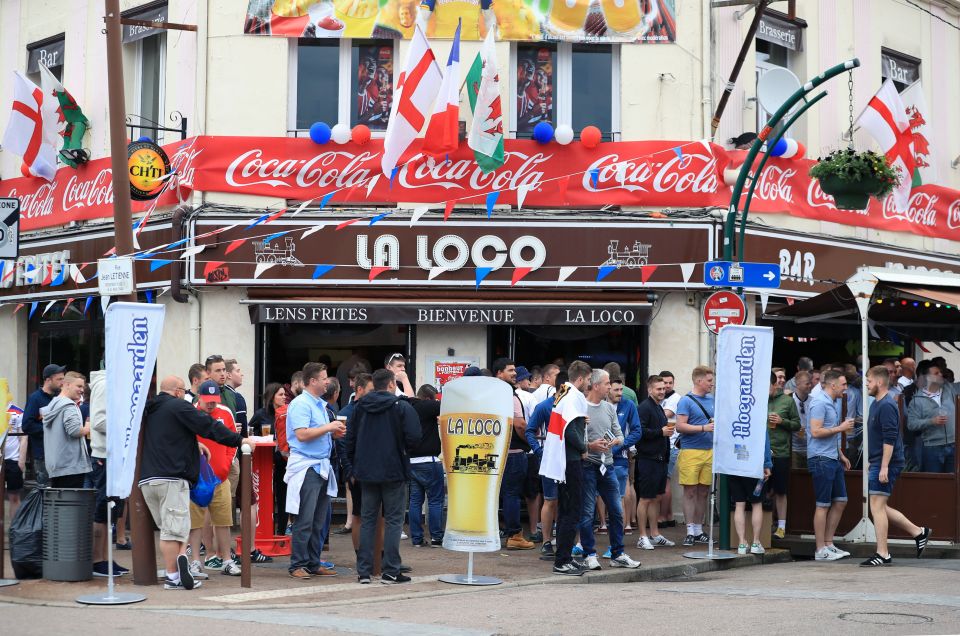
(181, 162)
(250, 164)
(817, 198)
(920, 210)
(322, 170)
(85, 193)
(693, 173)
(526, 175)
(953, 215)
(774, 185)
(36, 204)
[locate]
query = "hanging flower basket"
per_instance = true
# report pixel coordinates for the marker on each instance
(852, 177)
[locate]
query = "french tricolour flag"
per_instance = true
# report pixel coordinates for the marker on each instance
(568, 405)
(13, 409)
(443, 130)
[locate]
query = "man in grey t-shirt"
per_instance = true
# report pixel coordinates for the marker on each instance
(603, 433)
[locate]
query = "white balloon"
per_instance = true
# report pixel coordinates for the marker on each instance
(563, 134)
(340, 133)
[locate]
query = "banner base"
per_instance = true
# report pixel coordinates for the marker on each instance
(469, 578)
(717, 555)
(8, 582)
(863, 532)
(120, 598)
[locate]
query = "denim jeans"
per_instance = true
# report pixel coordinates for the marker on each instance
(938, 459)
(388, 496)
(426, 480)
(306, 542)
(511, 491)
(609, 490)
(569, 507)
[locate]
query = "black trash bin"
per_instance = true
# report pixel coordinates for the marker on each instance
(68, 533)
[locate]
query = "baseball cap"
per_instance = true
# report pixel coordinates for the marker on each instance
(523, 374)
(472, 371)
(52, 369)
(208, 392)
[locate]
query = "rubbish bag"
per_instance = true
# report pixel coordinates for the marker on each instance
(202, 493)
(26, 537)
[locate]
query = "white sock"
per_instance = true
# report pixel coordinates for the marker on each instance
(174, 576)
(782, 524)
(699, 528)
(692, 529)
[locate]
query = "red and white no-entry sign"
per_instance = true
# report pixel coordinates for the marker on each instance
(723, 308)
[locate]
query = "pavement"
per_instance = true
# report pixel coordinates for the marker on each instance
(272, 588)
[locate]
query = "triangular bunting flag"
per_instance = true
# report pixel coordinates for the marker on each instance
(679, 152)
(917, 342)
(104, 303)
(565, 273)
(260, 219)
(261, 268)
(158, 263)
(562, 184)
(346, 223)
(417, 213)
(320, 270)
(301, 207)
(313, 230)
(56, 282)
(518, 274)
(435, 271)
(393, 175)
(149, 295)
(234, 245)
(48, 275)
(70, 302)
(686, 269)
(276, 216)
(491, 201)
(192, 251)
(86, 305)
(595, 177)
(482, 272)
(604, 271)
(376, 271)
(326, 199)
(33, 309)
(522, 195)
(18, 308)
(277, 235)
(380, 217)
(448, 209)
(372, 182)
(872, 327)
(764, 300)
(47, 308)
(790, 301)
(211, 266)
(646, 272)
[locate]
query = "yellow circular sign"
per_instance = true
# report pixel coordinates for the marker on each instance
(147, 165)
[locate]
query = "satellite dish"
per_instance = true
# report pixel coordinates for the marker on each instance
(774, 88)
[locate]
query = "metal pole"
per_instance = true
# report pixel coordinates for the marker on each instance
(864, 447)
(246, 515)
(735, 73)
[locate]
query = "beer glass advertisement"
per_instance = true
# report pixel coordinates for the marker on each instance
(649, 21)
(476, 420)
(373, 85)
(535, 66)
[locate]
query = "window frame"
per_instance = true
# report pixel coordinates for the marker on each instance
(344, 83)
(156, 135)
(563, 88)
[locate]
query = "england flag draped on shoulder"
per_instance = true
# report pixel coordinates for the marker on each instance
(568, 405)
(417, 88)
(886, 120)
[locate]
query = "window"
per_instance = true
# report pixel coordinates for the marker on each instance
(779, 39)
(572, 84)
(47, 52)
(149, 48)
(903, 69)
(348, 81)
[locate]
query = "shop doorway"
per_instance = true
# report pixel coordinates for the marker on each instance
(287, 347)
(64, 335)
(537, 345)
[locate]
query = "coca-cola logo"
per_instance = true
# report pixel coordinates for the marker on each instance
(774, 185)
(36, 204)
(80, 193)
(953, 215)
(690, 172)
(920, 210)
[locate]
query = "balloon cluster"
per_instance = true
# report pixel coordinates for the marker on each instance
(544, 133)
(321, 133)
(788, 149)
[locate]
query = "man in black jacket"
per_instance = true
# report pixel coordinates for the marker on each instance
(170, 466)
(382, 431)
(426, 471)
(653, 456)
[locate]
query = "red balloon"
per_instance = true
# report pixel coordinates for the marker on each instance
(590, 136)
(360, 134)
(801, 150)
(25, 170)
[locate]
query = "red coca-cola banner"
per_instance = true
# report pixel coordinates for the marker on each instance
(663, 174)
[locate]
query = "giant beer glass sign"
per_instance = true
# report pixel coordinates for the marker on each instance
(476, 420)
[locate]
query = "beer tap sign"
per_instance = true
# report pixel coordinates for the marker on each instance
(476, 422)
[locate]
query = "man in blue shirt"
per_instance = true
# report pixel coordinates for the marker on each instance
(629, 421)
(695, 463)
(885, 457)
(310, 477)
(826, 463)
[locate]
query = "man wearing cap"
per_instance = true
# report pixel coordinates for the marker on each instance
(221, 456)
(170, 466)
(33, 422)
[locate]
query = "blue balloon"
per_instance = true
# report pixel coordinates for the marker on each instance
(320, 133)
(779, 148)
(543, 132)
(144, 138)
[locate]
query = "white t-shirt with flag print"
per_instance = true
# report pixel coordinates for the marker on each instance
(570, 404)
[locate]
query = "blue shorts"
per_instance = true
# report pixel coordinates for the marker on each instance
(622, 473)
(674, 453)
(549, 488)
(828, 480)
(874, 487)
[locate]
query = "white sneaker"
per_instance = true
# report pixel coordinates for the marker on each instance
(403, 535)
(741, 549)
(196, 570)
(662, 540)
(756, 548)
(624, 561)
(838, 551)
(823, 554)
(645, 543)
(231, 568)
(592, 563)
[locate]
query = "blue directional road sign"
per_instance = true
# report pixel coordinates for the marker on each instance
(727, 274)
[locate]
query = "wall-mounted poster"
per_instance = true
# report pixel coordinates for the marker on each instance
(535, 77)
(373, 85)
(517, 20)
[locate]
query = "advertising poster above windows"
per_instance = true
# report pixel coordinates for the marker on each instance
(535, 84)
(373, 86)
(520, 20)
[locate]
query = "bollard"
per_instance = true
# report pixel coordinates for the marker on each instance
(246, 514)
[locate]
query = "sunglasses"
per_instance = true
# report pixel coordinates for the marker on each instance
(213, 359)
(395, 356)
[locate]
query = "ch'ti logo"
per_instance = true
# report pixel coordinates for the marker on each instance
(147, 167)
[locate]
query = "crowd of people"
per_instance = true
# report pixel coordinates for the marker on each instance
(369, 431)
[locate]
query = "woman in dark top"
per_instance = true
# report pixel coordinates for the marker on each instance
(267, 414)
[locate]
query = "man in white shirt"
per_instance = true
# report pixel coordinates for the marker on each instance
(908, 372)
(548, 387)
(397, 364)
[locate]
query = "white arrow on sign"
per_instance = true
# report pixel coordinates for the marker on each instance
(769, 276)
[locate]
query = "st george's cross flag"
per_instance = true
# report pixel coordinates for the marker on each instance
(26, 135)
(568, 404)
(417, 87)
(443, 131)
(886, 120)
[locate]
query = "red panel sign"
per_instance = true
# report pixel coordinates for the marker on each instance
(723, 308)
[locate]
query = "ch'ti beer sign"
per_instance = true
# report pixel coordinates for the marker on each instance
(147, 167)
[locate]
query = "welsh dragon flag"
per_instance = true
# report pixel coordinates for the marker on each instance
(62, 110)
(918, 114)
(483, 88)
(29, 134)
(568, 404)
